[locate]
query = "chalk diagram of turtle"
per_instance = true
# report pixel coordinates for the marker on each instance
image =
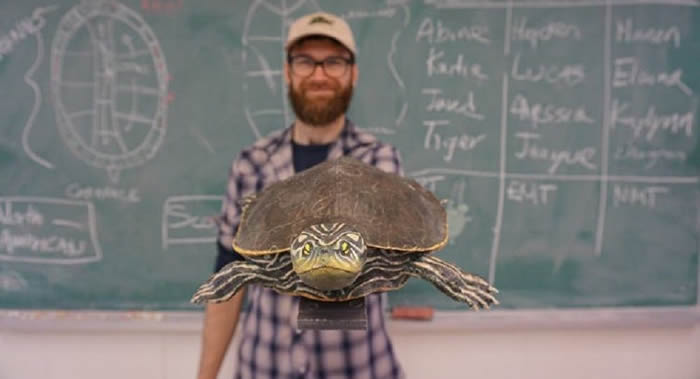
(457, 212)
(266, 103)
(111, 115)
(263, 58)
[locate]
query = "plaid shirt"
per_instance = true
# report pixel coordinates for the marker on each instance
(271, 346)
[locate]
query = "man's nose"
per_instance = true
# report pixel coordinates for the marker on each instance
(318, 73)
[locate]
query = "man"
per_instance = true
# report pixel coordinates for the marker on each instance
(320, 73)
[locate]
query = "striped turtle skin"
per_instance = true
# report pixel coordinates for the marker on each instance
(337, 247)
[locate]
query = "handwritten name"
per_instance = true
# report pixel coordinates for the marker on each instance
(437, 33)
(633, 195)
(436, 141)
(648, 125)
(542, 114)
(626, 31)
(652, 157)
(75, 191)
(628, 73)
(529, 149)
(437, 66)
(438, 103)
(520, 31)
(568, 75)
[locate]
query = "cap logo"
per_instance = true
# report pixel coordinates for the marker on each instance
(320, 19)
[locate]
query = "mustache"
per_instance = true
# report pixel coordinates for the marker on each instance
(319, 86)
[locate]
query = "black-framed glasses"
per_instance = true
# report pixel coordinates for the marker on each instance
(304, 65)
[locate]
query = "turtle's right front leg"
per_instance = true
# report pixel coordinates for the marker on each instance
(224, 284)
(454, 282)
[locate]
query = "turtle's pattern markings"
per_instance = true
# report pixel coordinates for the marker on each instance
(384, 270)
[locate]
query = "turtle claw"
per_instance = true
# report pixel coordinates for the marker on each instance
(455, 283)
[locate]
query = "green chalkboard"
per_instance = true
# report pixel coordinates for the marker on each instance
(563, 135)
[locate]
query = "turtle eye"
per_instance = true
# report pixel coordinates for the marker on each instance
(344, 247)
(307, 248)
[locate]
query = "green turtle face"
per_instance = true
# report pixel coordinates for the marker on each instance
(328, 256)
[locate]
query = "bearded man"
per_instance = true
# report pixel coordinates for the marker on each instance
(320, 73)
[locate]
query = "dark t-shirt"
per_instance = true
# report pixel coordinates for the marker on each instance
(303, 156)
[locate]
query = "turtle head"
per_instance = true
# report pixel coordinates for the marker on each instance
(328, 256)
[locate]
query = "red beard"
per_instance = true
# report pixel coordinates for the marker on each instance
(319, 111)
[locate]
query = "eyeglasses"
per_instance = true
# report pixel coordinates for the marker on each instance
(303, 65)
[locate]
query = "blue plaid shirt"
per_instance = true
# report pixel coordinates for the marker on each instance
(271, 346)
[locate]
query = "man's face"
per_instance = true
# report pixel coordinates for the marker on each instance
(319, 99)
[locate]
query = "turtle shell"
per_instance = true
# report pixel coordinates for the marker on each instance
(391, 212)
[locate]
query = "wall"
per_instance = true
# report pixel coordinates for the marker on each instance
(426, 352)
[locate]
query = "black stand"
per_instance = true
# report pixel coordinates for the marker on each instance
(332, 315)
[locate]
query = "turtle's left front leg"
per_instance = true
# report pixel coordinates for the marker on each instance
(230, 279)
(455, 283)
(270, 271)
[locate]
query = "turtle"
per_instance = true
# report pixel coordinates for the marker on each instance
(339, 231)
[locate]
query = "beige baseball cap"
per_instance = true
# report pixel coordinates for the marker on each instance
(324, 24)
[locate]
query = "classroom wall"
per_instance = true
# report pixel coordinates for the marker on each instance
(425, 352)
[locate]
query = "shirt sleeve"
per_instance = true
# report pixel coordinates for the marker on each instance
(242, 181)
(387, 158)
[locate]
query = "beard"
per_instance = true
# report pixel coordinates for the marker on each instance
(320, 111)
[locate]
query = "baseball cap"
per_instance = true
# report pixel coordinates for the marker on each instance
(321, 24)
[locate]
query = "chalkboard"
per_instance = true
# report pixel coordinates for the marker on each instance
(563, 135)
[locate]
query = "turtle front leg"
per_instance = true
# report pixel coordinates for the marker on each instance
(273, 271)
(230, 279)
(454, 282)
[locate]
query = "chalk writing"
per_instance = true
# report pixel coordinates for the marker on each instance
(436, 33)
(530, 149)
(568, 75)
(9, 242)
(24, 28)
(627, 32)
(465, 107)
(27, 216)
(189, 219)
(437, 66)
(430, 181)
(48, 231)
(436, 141)
(521, 31)
(648, 125)
(127, 195)
(634, 195)
(628, 73)
(539, 114)
(380, 13)
(529, 192)
(652, 157)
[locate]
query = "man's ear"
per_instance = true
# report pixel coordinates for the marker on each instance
(355, 75)
(287, 80)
